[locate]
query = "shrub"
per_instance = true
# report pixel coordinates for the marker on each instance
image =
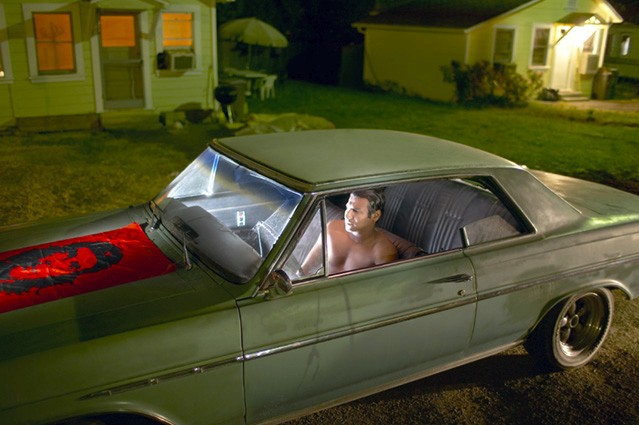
(483, 83)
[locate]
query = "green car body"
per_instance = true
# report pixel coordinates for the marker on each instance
(208, 342)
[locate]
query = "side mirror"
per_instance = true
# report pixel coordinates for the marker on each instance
(277, 285)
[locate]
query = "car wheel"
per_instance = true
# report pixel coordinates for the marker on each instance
(572, 333)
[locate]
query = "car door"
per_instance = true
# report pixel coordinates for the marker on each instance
(334, 338)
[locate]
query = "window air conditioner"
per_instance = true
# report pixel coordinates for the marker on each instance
(181, 61)
(589, 64)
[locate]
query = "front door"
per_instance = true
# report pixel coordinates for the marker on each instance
(343, 336)
(564, 66)
(121, 60)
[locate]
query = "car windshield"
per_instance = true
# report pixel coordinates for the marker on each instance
(225, 213)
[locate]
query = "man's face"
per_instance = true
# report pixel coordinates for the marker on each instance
(356, 217)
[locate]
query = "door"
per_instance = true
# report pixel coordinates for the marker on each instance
(336, 337)
(563, 67)
(121, 60)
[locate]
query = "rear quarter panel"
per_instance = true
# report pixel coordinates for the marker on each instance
(519, 281)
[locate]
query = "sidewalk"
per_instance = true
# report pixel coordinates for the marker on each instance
(607, 105)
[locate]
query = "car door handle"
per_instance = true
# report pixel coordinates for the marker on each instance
(463, 277)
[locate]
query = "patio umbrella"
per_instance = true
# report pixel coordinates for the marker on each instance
(253, 32)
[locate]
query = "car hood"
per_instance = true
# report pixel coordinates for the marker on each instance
(66, 281)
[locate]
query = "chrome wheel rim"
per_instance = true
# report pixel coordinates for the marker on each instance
(581, 326)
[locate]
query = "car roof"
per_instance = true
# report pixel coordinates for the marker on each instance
(331, 158)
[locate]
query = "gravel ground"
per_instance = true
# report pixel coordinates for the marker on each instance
(508, 389)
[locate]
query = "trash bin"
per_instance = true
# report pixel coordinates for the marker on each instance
(604, 83)
(611, 87)
(232, 96)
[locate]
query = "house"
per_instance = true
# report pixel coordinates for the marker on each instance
(65, 61)
(405, 47)
(622, 51)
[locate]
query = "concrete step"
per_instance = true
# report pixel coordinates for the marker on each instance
(572, 96)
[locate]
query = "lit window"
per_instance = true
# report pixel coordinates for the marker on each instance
(504, 43)
(540, 47)
(54, 43)
(624, 46)
(117, 30)
(177, 30)
(53, 39)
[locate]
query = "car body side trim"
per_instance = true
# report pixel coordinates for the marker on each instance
(414, 315)
(358, 329)
(568, 274)
(465, 300)
(161, 378)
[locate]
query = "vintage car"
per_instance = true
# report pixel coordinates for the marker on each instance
(195, 308)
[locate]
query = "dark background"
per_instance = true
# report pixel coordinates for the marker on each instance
(320, 30)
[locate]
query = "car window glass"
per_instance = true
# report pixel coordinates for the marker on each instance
(311, 239)
(226, 214)
(446, 214)
(419, 219)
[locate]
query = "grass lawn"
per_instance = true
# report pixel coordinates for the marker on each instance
(58, 174)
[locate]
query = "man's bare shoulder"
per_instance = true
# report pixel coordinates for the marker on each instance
(384, 247)
(336, 224)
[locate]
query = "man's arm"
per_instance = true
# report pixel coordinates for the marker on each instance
(313, 260)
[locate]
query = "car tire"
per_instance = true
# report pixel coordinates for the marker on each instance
(572, 333)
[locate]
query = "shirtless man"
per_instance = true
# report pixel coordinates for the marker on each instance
(355, 242)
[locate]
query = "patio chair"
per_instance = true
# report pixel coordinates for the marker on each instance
(267, 86)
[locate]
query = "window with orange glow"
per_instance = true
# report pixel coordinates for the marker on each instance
(177, 30)
(54, 43)
(117, 30)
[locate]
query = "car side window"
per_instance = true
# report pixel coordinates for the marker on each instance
(418, 218)
(446, 214)
(311, 242)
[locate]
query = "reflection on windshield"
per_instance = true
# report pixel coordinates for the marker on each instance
(228, 215)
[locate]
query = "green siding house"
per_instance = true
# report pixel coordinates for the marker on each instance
(564, 40)
(63, 59)
(622, 52)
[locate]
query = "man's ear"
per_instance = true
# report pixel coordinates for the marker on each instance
(376, 215)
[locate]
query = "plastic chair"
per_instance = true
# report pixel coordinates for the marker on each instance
(267, 88)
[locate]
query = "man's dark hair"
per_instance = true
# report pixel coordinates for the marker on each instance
(374, 197)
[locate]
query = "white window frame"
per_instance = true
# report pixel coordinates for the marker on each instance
(28, 10)
(546, 65)
(4, 49)
(625, 43)
(197, 35)
(512, 50)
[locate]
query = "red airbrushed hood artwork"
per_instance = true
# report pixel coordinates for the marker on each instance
(48, 272)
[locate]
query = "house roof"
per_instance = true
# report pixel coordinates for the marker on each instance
(459, 14)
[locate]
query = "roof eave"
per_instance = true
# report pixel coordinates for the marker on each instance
(362, 26)
(617, 17)
(503, 15)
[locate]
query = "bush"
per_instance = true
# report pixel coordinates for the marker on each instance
(483, 83)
